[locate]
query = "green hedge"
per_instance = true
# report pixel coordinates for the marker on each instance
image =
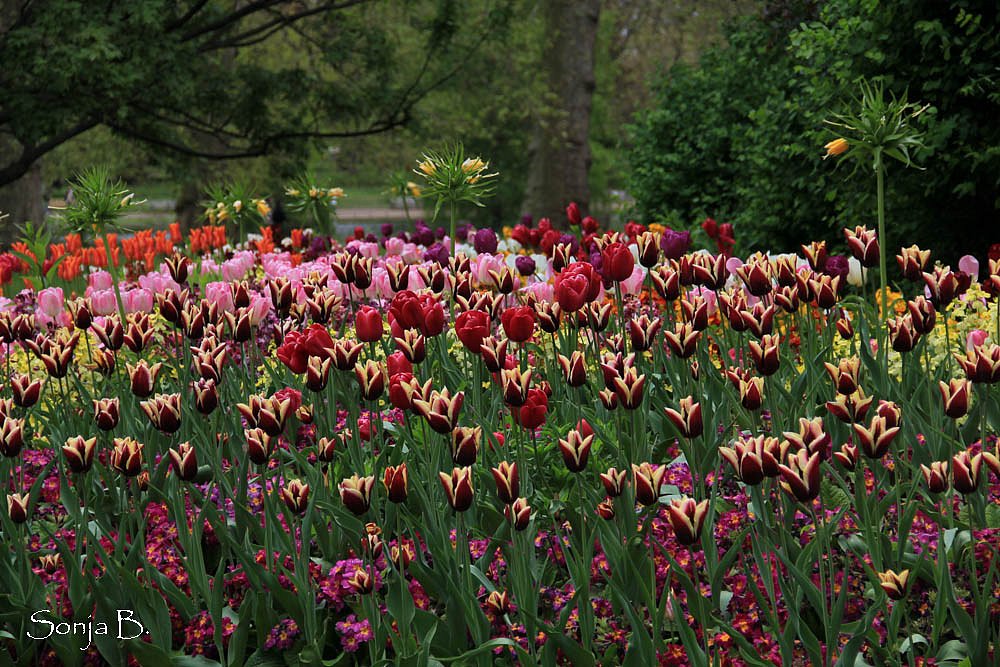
(740, 137)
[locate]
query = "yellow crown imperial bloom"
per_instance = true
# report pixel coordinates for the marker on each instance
(313, 193)
(427, 167)
(292, 192)
(262, 207)
(413, 188)
(835, 147)
(126, 200)
(334, 193)
(238, 205)
(472, 165)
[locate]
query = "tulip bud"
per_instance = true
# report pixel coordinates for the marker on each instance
(356, 493)
(863, 244)
(295, 495)
(902, 336)
(893, 583)
(361, 582)
(79, 453)
(458, 488)
(606, 510)
(847, 456)
(608, 398)
(965, 471)
(936, 476)
(206, 396)
(395, 482)
(371, 377)
(688, 419)
(508, 483)
(575, 449)
(845, 374)
(18, 507)
(260, 446)
(801, 477)
(142, 377)
(184, 461)
(647, 482)
(126, 457)
(765, 354)
(26, 391)
(912, 262)
(614, 481)
(518, 513)
(11, 437)
(682, 340)
(164, 412)
(465, 443)
(574, 369)
(687, 518)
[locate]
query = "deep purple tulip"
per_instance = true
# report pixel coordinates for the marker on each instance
(525, 265)
(836, 265)
(485, 241)
(674, 244)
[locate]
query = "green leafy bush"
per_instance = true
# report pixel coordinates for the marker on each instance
(740, 137)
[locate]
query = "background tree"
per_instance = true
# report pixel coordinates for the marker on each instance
(740, 137)
(202, 79)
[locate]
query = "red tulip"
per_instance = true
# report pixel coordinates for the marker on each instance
(576, 285)
(368, 324)
(472, 327)
(617, 262)
(532, 414)
(518, 323)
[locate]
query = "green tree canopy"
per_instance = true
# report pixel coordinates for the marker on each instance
(740, 137)
(212, 79)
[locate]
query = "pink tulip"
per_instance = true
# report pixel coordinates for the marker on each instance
(633, 284)
(975, 338)
(158, 282)
(411, 253)
(51, 301)
(260, 306)
(970, 265)
(394, 246)
(138, 301)
(220, 294)
(99, 280)
(103, 302)
(541, 291)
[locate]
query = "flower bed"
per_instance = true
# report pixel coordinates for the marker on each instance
(554, 447)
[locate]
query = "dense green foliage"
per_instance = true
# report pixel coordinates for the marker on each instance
(202, 79)
(740, 137)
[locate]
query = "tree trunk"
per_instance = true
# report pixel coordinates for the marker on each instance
(22, 201)
(559, 150)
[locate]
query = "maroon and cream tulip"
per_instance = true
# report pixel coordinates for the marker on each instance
(295, 495)
(396, 483)
(126, 457)
(356, 493)
(184, 461)
(801, 477)
(687, 518)
(688, 418)
(458, 488)
(507, 480)
(79, 453)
